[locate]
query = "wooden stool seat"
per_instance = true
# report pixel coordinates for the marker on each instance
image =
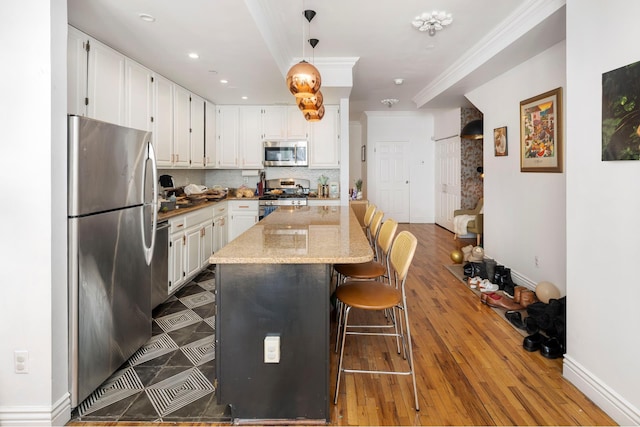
(369, 295)
(365, 270)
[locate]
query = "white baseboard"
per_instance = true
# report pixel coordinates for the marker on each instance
(608, 400)
(56, 415)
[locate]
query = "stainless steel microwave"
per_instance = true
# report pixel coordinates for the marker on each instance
(285, 153)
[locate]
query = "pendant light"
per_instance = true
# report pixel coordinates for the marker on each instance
(315, 116)
(311, 103)
(303, 79)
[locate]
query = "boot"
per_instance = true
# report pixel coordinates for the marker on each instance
(497, 275)
(490, 266)
(507, 284)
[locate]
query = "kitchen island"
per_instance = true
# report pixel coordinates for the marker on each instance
(273, 285)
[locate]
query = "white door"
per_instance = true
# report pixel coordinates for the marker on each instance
(196, 155)
(163, 120)
(391, 160)
(181, 126)
(138, 95)
(447, 180)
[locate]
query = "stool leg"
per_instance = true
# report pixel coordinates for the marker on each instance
(344, 336)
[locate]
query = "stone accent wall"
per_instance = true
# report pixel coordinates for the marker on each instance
(471, 158)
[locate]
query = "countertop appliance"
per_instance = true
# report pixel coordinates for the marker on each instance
(285, 153)
(283, 192)
(112, 219)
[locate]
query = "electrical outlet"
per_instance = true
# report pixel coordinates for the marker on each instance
(536, 261)
(272, 349)
(21, 361)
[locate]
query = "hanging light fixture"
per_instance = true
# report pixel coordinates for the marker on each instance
(315, 116)
(311, 103)
(303, 79)
(432, 22)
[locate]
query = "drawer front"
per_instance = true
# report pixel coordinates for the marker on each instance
(250, 206)
(176, 224)
(198, 217)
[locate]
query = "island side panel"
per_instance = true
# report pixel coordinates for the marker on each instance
(289, 300)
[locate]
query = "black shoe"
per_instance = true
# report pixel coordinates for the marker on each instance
(515, 317)
(552, 348)
(531, 325)
(533, 342)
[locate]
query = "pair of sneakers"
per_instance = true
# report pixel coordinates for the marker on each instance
(484, 285)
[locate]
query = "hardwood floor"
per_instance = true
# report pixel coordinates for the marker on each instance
(471, 368)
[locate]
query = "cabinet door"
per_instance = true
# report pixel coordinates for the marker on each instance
(297, 126)
(324, 145)
(105, 83)
(274, 122)
(163, 120)
(176, 261)
(241, 223)
(181, 125)
(138, 95)
(206, 244)
(196, 157)
(251, 137)
(209, 135)
(76, 72)
(227, 130)
(192, 250)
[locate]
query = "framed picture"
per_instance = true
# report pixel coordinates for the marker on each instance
(541, 133)
(500, 147)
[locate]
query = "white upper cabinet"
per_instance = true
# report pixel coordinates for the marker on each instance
(197, 132)
(274, 122)
(250, 137)
(297, 126)
(105, 83)
(324, 141)
(181, 126)
(210, 135)
(227, 122)
(76, 72)
(138, 96)
(163, 120)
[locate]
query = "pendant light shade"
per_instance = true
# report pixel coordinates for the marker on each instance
(303, 80)
(315, 116)
(309, 104)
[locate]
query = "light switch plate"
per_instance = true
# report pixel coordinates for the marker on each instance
(272, 349)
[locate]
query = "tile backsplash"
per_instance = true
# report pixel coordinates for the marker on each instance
(233, 178)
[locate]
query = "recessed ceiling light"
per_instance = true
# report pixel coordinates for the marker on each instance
(146, 17)
(398, 81)
(245, 97)
(194, 55)
(224, 82)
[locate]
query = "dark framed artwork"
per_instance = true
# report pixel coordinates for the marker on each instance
(621, 113)
(500, 147)
(541, 132)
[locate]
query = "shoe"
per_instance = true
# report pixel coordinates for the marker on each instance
(499, 301)
(474, 282)
(527, 297)
(533, 342)
(486, 286)
(515, 317)
(516, 293)
(551, 348)
(531, 325)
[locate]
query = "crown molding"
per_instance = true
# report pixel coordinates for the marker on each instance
(517, 24)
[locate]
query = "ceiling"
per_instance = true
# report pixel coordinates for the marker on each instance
(364, 45)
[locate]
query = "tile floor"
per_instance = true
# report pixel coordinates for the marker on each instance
(171, 377)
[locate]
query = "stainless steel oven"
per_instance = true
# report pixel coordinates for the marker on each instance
(285, 153)
(283, 192)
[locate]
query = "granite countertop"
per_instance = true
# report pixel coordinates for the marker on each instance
(163, 216)
(300, 235)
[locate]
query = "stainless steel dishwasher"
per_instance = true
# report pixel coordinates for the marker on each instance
(160, 266)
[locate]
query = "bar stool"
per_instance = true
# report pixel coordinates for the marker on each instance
(379, 296)
(368, 216)
(371, 270)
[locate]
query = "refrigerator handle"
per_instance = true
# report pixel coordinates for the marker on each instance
(148, 250)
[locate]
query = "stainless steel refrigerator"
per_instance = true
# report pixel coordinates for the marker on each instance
(112, 222)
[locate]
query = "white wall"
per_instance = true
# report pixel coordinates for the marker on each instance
(602, 201)
(355, 158)
(524, 213)
(417, 130)
(33, 254)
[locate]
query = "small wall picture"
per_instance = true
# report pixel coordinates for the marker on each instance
(500, 141)
(621, 113)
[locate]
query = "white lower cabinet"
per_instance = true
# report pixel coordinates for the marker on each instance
(191, 243)
(243, 214)
(220, 226)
